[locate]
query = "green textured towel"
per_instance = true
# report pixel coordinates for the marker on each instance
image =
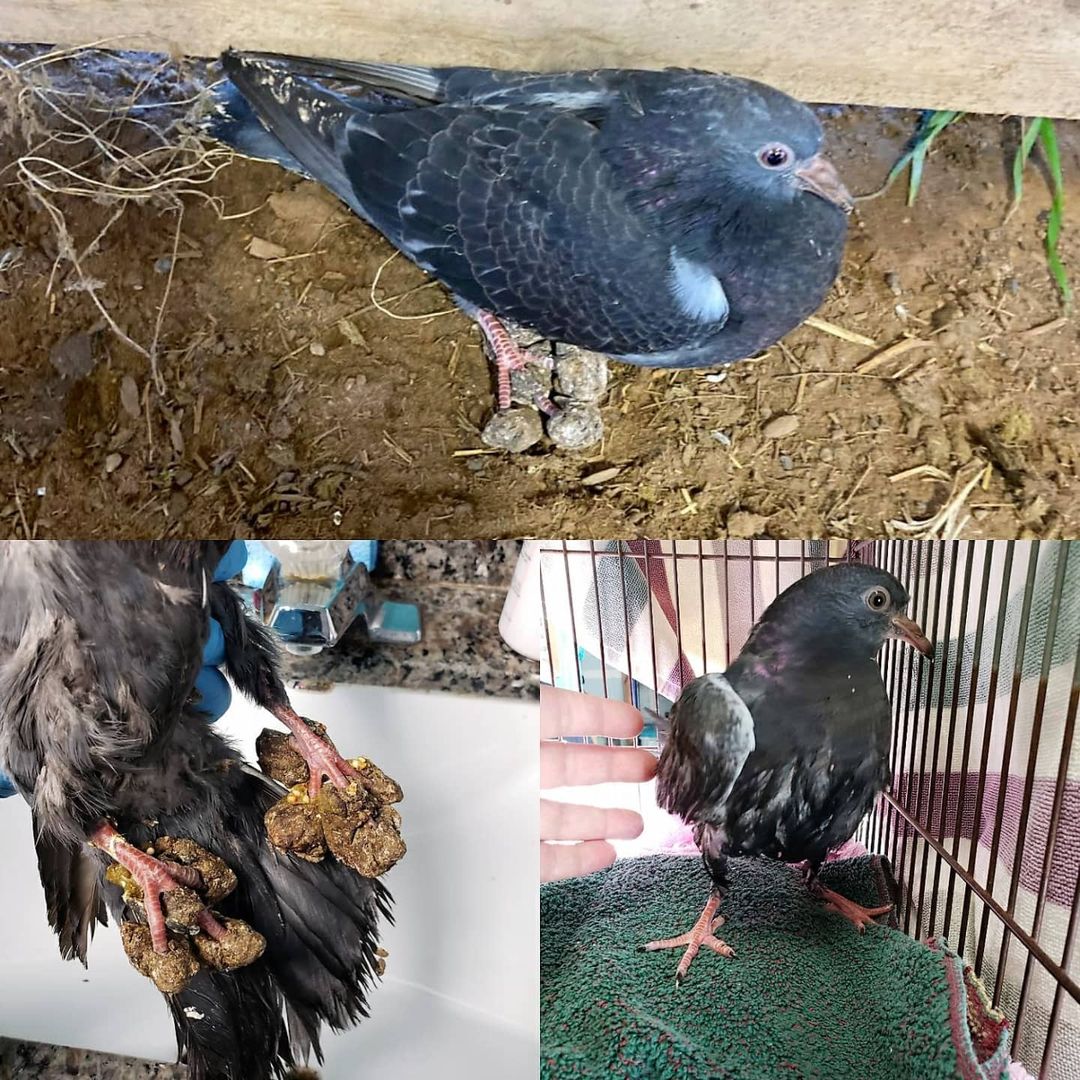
(805, 995)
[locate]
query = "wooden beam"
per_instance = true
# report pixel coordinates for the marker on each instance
(995, 56)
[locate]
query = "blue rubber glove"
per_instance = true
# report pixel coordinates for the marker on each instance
(215, 694)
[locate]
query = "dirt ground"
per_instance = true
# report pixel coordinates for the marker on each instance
(289, 404)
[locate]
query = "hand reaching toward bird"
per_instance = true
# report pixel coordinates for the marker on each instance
(566, 713)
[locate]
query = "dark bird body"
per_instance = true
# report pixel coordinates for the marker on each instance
(100, 644)
(634, 213)
(784, 754)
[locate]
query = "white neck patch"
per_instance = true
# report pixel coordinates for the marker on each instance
(697, 290)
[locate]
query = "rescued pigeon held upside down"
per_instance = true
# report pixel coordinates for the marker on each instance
(784, 753)
(670, 218)
(139, 805)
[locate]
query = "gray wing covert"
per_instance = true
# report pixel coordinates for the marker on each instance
(711, 736)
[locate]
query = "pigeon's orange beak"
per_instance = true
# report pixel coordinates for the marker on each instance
(908, 630)
(820, 178)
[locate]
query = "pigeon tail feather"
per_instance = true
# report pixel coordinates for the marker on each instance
(302, 121)
(320, 922)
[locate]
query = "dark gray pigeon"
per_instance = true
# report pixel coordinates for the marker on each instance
(667, 218)
(100, 644)
(784, 753)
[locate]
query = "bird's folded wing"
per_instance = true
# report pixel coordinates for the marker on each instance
(493, 87)
(711, 736)
(421, 83)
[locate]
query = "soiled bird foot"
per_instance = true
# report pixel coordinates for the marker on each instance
(362, 831)
(216, 878)
(166, 891)
(859, 916)
(702, 933)
(355, 822)
(226, 946)
(168, 884)
(508, 356)
(233, 945)
(313, 750)
(171, 970)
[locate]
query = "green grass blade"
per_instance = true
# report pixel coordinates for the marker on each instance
(915, 155)
(1048, 140)
(937, 123)
(918, 159)
(902, 163)
(943, 118)
(1023, 152)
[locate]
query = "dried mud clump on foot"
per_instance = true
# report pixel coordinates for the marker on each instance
(358, 825)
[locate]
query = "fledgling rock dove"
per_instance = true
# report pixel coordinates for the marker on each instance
(670, 218)
(139, 805)
(784, 753)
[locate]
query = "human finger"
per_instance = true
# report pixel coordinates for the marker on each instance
(559, 861)
(566, 712)
(214, 649)
(573, 764)
(568, 821)
(215, 694)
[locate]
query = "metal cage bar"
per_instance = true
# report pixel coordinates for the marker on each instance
(973, 750)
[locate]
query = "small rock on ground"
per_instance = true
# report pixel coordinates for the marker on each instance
(513, 429)
(529, 383)
(578, 425)
(581, 375)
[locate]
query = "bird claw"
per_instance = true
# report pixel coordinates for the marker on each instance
(702, 934)
(548, 407)
(325, 763)
(693, 945)
(307, 751)
(166, 891)
(507, 356)
(860, 917)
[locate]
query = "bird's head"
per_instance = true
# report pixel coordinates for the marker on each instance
(682, 140)
(849, 608)
(772, 144)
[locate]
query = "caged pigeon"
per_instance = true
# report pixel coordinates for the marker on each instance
(139, 806)
(666, 218)
(784, 754)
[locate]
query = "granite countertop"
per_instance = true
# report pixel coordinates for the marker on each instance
(460, 587)
(40, 1061)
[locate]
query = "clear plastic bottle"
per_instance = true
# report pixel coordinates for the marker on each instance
(521, 623)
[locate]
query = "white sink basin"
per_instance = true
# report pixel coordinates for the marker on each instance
(461, 994)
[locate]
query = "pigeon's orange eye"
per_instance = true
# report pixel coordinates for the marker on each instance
(775, 155)
(877, 599)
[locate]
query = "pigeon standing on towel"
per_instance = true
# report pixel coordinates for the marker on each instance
(140, 806)
(784, 753)
(666, 218)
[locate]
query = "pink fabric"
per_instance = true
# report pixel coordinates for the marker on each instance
(961, 821)
(680, 841)
(646, 552)
(1016, 1071)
